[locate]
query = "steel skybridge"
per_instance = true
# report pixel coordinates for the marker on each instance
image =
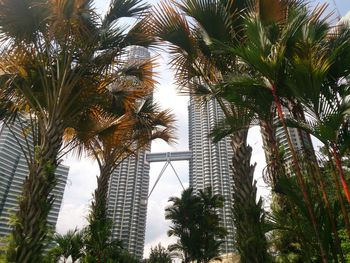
(168, 157)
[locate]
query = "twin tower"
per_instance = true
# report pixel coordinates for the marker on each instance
(209, 165)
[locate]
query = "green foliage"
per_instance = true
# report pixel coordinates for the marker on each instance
(5, 241)
(293, 236)
(77, 246)
(97, 240)
(285, 236)
(195, 222)
(159, 254)
(98, 246)
(68, 245)
(345, 244)
(115, 254)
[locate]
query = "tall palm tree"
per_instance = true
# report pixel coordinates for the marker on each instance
(110, 139)
(299, 44)
(248, 94)
(56, 61)
(268, 44)
(326, 98)
(251, 93)
(314, 52)
(197, 68)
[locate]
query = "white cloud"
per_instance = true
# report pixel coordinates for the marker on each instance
(72, 216)
(258, 157)
(78, 193)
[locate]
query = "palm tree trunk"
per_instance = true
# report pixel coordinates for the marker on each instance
(338, 191)
(248, 215)
(298, 173)
(30, 227)
(338, 165)
(99, 223)
(275, 167)
(99, 204)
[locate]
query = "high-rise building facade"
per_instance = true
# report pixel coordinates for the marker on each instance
(13, 171)
(300, 139)
(209, 166)
(210, 163)
(127, 202)
(128, 190)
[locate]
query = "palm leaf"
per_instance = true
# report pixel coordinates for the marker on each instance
(22, 19)
(212, 17)
(171, 26)
(123, 8)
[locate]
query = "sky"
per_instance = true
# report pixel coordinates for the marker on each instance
(82, 175)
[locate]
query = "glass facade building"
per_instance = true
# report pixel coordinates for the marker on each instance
(14, 170)
(210, 163)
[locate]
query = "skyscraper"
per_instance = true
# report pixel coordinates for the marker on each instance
(128, 190)
(13, 171)
(209, 166)
(210, 163)
(127, 202)
(300, 139)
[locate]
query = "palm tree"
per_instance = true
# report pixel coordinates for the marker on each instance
(159, 254)
(313, 59)
(196, 223)
(213, 233)
(67, 245)
(56, 63)
(266, 48)
(247, 214)
(198, 69)
(248, 93)
(251, 93)
(110, 140)
(291, 59)
(184, 214)
(326, 99)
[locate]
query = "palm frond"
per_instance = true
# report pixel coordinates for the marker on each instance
(77, 17)
(248, 92)
(339, 41)
(21, 20)
(212, 17)
(171, 26)
(233, 124)
(141, 34)
(123, 8)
